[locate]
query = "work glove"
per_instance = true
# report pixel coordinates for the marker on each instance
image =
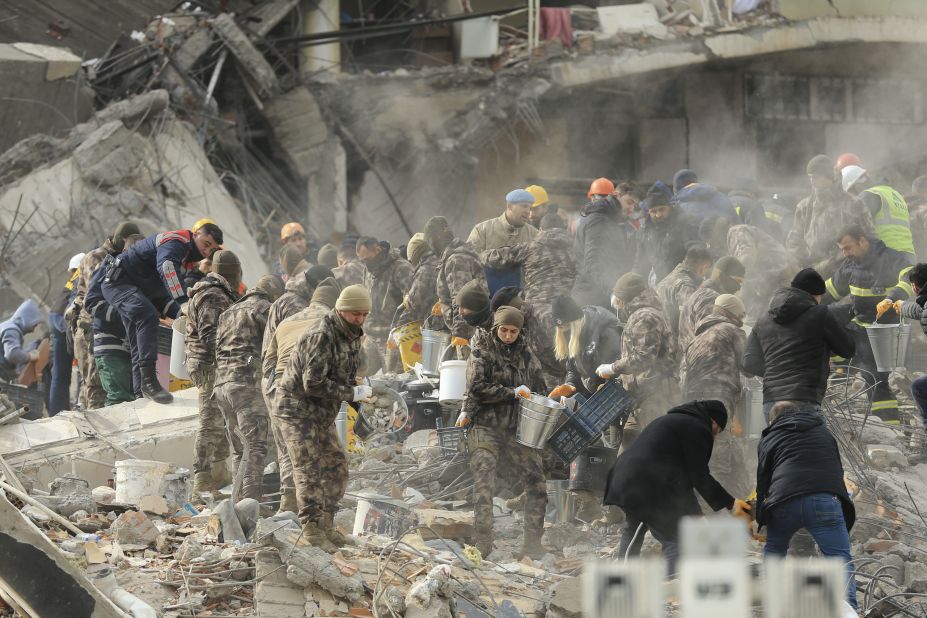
(883, 307)
(462, 420)
(362, 393)
(743, 510)
(437, 309)
(523, 391)
(898, 305)
(33, 356)
(459, 342)
(564, 390)
(605, 371)
(392, 342)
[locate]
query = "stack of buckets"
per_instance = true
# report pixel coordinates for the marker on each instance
(538, 417)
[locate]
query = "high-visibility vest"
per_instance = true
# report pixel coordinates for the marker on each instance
(892, 223)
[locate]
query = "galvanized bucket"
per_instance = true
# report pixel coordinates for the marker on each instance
(341, 425)
(537, 419)
(433, 344)
(562, 500)
(751, 407)
(889, 344)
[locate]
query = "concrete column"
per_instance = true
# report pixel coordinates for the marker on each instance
(320, 16)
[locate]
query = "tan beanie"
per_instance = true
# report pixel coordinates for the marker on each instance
(416, 247)
(508, 316)
(327, 292)
(226, 263)
(328, 256)
(732, 305)
(629, 286)
(354, 298)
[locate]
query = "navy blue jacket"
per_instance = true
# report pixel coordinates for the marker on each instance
(701, 201)
(106, 320)
(156, 265)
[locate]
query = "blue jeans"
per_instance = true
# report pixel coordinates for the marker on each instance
(59, 395)
(919, 392)
(822, 516)
(803, 406)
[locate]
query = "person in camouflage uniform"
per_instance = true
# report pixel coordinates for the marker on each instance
(648, 354)
(321, 373)
(711, 369)
(458, 265)
(819, 216)
(350, 269)
(237, 388)
(423, 292)
(274, 365)
(92, 395)
(726, 278)
(767, 264)
(298, 293)
(208, 299)
(501, 369)
(676, 288)
(388, 279)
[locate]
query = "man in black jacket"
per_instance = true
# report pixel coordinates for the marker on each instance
(654, 481)
(799, 484)
(665, 235)
(791, 345)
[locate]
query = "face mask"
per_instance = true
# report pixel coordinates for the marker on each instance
(478, 318)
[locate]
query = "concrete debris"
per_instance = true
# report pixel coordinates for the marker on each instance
(886, 457)
(70, 494)
(310, 565)
(566, 599)
(134, 528)
(103, 494)
(439, 523)
(431, 597)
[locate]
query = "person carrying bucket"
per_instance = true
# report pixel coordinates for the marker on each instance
(501, 369)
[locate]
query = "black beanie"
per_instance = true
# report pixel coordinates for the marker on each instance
(317, 274)
(809, 281)
(565, 310)
(507, 296)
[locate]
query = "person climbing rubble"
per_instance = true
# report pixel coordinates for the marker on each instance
(16, 353)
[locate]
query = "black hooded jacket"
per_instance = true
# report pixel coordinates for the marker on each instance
(604, 248)
(599, 343)
(657, 477)
(791, 345)
(799, 456)
(662, 246)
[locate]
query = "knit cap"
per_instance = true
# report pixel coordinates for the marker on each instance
(730, 266)
(809, 281)
(683, 178)
(416, 247)
(328, 256)
(290, 259)
(629, 286)
(509, 296)
(473, 296)
(226, 263)
(565, 310)
(327, 292)
(820, 165)
(272, 285)
(732, 305)
(354, 298)
(317, 274)
(508, 316)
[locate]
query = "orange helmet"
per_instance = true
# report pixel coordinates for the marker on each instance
(847, 158)
(291, 229)
(601, 186)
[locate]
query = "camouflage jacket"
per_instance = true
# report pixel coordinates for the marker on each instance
(350, 273)
(697, 306)
(287, 335)
(388, 278)
(88, 265)
(208, 299)
(498, 232)
(768, 265)
(494, 371)
(423, 293)
(322, 370)
(459, 265)
(712, 362)
(818, 218)
(648, 349)
(297, 296)
(239, 337)
(548, 264)
(673, 291)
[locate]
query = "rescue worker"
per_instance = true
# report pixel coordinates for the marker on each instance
(327, 256)
(294, 234)
(145, 282)
(791, 344)
(585, 338)
(664, 236)
(388, 279)
(655, 497)
(914, 310)
(648, 354)
(59, 391)
(16, 354)
(350, 269)
(727, 275)
(237, 391)
(751, 211)
(208, 300)
(298, 293)
(274, 365)
(917, 205)
(321, 373)
(501, 369)
(458, 264)
(699, 200)
(676, 288)
(509, 228)
(603, 244)
(845, 160)
(869, 273)
(475, 309)
(423, 291)
(291, 262)
(92, 394)
(886, 206)
(711, 367)
(768, 265)
(828, 208)
(542, 206)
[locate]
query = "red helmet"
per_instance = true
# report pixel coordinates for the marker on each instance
(847, 158)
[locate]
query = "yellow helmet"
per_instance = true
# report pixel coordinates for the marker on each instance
(201, 223)
(540, 195)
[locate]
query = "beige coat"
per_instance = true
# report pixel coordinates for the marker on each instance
(498, 232)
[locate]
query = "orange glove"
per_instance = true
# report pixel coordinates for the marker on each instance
(436, 310)
(459, 342)
(884, 306)
(391, 344)
(462, 420)
(898, 304)
(564, 390)
(523, 391)
(743, 510)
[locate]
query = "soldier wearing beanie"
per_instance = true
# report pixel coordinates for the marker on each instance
(238, 371)
(320, 374)
(423, 292)
(208, 300)
(328, 256)
(350, 269)
(501, 369)
(727, 276)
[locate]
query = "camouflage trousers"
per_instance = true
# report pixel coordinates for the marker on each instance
(284, 465)
(211, 447)
(320, 467)
(243, 407)
(92, 395)
(495, 450)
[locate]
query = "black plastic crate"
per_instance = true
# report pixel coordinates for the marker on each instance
(22, 396)
(165, 337)
(586, 424)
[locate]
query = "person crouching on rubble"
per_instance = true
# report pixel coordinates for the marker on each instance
(654, 481)
(501, 369)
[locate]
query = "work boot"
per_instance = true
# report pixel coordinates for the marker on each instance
(531, 548)
(288, 503)
(202, 483)
(151, 387)
(484, 543)
(315, 536)
(335, 535)
(221, 475)
(516, 503)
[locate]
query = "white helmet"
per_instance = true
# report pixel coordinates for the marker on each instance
(851, 175)
(75, 261)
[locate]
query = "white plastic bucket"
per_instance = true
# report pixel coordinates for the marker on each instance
(453, 382)
(137, 478)
(178, 349)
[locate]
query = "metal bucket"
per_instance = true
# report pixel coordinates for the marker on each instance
(562, 500)
(433, 344)
(341, 425)
(751, 408)
(537, 419)
(889, 344)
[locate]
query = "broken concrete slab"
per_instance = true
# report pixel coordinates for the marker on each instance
(250, 59)
(566, 599)
(134, 528)
(885, 457)
(310, 565)
(72, 494)
(61, 62)
(231, 527)
(455, 525)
